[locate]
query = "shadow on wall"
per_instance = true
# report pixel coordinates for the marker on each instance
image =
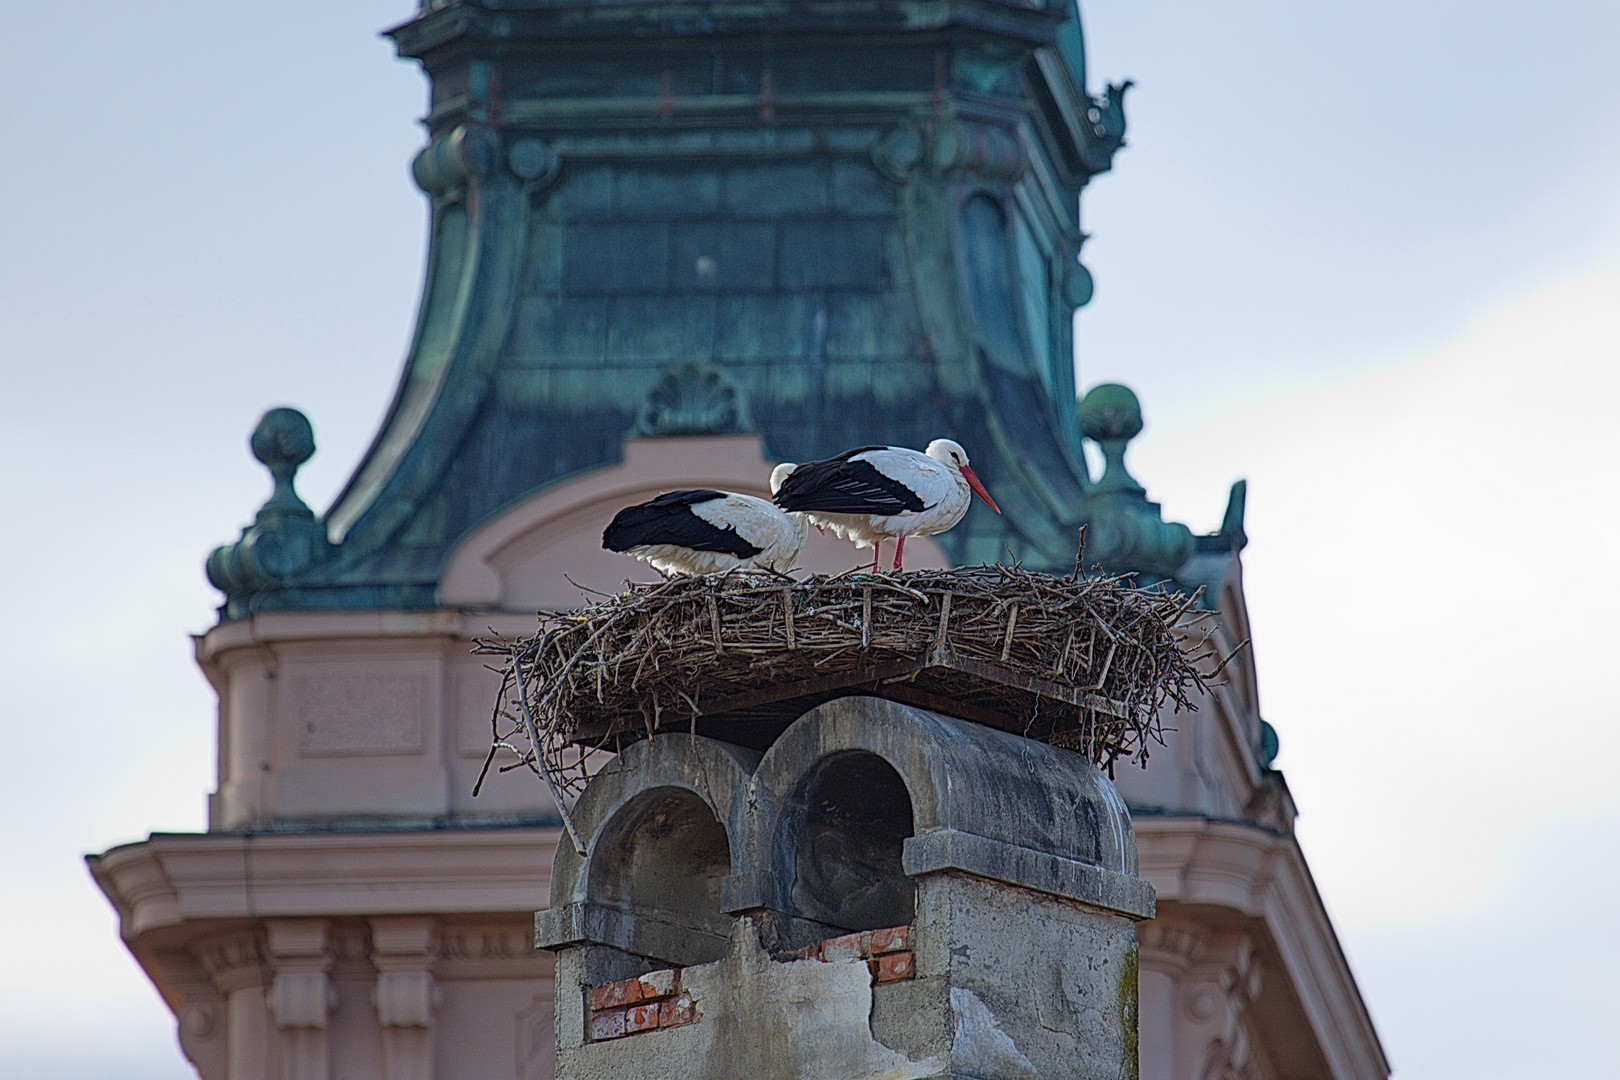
(663, 856)
(841, 843)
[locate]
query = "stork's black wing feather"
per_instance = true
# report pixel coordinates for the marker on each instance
(669, 519)
(841, 485)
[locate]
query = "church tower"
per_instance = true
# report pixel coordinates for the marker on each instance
(671, 245)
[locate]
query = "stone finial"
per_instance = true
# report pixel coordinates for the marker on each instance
(283, 441)
(1111, 417)
(1124, 530)
(284, 539)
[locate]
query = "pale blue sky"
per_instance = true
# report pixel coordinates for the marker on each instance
(1366, 254)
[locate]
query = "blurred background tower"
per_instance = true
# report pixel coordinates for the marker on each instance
(670, 246)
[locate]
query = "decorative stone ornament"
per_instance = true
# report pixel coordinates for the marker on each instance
(898, 152)
(1125, 531)
(282, 442)
(985, 150)
(285, 539)
(1106, 115)
(1111, 416)
(1078, 286)
(532, 161)
(691, 399)
(464, 153)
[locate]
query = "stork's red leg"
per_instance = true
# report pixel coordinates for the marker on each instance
(899, 550)
(876, 548)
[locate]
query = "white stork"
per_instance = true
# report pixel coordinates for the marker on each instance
(874, 492)
(701, 531)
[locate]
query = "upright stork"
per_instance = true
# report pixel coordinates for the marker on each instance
(873, 493)
(701, 531)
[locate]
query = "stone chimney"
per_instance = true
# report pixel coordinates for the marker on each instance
(885, 892)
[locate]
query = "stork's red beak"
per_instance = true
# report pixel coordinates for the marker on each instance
(978, 488)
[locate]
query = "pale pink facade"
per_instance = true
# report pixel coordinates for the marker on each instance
(1242, 977)
(354, 912)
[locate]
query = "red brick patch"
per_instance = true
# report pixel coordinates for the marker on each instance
(848, 947)
(659, 984)
(679, 1011)
(886, 952)
(607, 1025)
(614, 994)
(640, 1018)
(645, 1003)
(891, 940)
(891, 967)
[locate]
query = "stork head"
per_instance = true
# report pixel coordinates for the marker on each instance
(780, 474)
(947, 452)
(950, 454)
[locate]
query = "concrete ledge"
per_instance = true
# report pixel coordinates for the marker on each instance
(641, 933)
(950, 849)
(745, 892)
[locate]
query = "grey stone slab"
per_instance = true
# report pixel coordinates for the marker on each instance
(555, 332)
(543, 260)
(582, 189)
(771, 327)
(650, 935)
(858, 188)
(865, 325)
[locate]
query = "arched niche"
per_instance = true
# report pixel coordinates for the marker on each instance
(840, 843)
(976, 799)
(663, 828)
(662, 857)
(522, 558)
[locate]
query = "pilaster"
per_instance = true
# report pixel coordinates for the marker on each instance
(301, 995)
(406, 996)
(237, 966)
(1202, 982)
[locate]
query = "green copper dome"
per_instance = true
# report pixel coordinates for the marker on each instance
(830, 223)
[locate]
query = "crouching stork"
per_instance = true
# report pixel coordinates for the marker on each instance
(876, 492)
(701, 531)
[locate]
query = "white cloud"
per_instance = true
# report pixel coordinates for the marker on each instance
(1433, 550)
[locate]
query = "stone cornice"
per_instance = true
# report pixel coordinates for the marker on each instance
(276, 627)
(173, 879)
(1261, 874)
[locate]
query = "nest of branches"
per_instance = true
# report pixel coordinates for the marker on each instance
(1086, 663)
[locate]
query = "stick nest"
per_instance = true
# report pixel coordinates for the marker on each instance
(1086, 663)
